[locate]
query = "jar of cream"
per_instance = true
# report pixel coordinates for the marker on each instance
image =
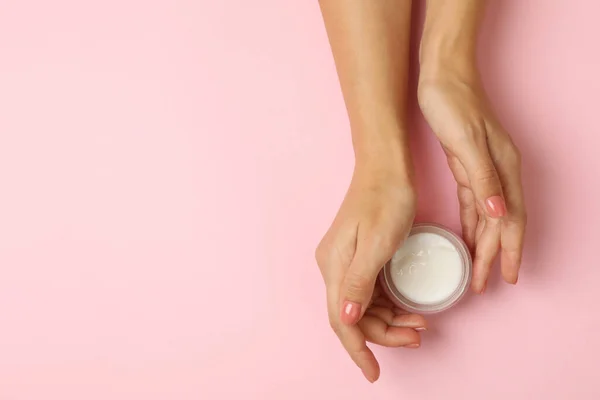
(430, 273)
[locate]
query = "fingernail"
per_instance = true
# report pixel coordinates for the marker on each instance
(484, 287)
(413, 345)
(420, 329)
(496, 207)
(350, 312)
(367, 376)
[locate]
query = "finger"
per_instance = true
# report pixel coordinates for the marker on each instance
(513, 226)
(382, 302)
(468, 215)
(379, 298)
(357, 291)
(359, 281)
(351, 338)
(378, 332)
(487, 249)
(480, 228)
(414, 321)
(332, 264)
(512, 238)
(483, 177)
(466, 199)
(354, 341)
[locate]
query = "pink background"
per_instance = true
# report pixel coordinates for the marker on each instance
(167, 167)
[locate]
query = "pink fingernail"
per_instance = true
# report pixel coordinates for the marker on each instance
(350, 312)
(484, 287)
(420, 329)
(496, 207)
(413, 345)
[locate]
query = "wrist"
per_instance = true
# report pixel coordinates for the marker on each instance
(385, 155)
(440, 58)
(442, 55)
(449, 41)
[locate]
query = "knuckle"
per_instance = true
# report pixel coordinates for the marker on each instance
(358, 285)
(381, 243)
(513, 157)
(517, 223)
(486, 175)
(518, 216)
(474, 130)
(521, 220)
(320, 254)
(465, 197)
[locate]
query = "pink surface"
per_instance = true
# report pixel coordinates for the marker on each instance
(167, 167)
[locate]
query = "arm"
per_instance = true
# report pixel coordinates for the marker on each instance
(370, 43)
(450, 37)
(481, 154)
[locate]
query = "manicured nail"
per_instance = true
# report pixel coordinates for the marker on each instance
(420, 329)
(413, 345)
(350, 312)
(496, 207)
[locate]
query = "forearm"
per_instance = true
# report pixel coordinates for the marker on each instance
(370, 44)
(450, 36)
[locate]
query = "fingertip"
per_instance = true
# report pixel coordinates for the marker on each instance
(367, 376)
(511, 276)
(415, 343)
(513, 279)
(478, 286)
(478, 281)
(414, 321)
(485, 255)
(403, 337)
(510, 265)
(372, 371)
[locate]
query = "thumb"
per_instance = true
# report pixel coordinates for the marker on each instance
(357, 289)
(484, 180)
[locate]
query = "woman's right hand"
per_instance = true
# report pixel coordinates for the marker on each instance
(373, 221)
(486, 165)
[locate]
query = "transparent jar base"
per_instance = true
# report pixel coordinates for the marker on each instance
(406, 304)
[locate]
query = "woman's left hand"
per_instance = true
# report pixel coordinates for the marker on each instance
(487, 167)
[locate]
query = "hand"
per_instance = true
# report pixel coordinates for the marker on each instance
(373, 220)
(487, 167)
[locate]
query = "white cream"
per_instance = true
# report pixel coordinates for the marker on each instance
(427, 269)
